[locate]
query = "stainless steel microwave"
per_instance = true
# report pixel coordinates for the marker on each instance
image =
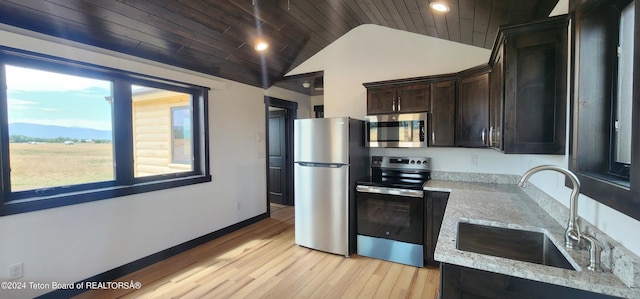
(396, 130)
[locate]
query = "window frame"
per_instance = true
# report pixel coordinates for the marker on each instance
(124, 182)
(196, 142)
(616, 168)
(595, 27)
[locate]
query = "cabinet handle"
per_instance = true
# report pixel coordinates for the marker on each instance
(398, 103)
(491, 136)
(484, 136)
(433, 138)
(393, 104)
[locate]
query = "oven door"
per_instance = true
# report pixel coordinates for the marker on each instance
(391, 213)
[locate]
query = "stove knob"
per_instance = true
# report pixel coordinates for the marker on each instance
(418, 162)
(414, 162)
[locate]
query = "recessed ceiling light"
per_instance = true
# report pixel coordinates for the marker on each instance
(439, 6)
(261, 46)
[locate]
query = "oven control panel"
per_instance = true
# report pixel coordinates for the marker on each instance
(419, 163)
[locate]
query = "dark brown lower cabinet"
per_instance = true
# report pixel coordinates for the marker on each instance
(436, 205)
(457, 282)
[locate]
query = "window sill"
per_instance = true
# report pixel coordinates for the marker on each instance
(610, 179)
(183, 167)
(11, 207)
(611, 191)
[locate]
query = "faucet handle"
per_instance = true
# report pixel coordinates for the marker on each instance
(595, 251)
(573, 237)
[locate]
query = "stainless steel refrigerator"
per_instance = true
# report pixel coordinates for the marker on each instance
(329, 157)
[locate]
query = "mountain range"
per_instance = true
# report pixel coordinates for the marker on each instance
(50, 131)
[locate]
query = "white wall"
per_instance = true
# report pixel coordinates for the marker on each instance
(373, 53)
(305, 109)
(68, 244)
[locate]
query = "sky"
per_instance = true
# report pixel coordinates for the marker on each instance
(48, 98)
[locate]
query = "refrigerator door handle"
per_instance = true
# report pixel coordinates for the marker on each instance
(328, 165)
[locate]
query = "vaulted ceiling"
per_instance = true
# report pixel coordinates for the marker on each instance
(217, 37)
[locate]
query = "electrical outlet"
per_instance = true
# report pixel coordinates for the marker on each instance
(15, 271)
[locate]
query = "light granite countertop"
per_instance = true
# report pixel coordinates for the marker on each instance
(506, 205)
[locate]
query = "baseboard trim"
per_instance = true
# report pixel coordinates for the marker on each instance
(136, 265)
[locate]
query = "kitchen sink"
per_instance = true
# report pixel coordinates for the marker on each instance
(521, 245)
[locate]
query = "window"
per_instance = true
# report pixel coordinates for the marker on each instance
(45, 119)
(72, 132)
(621, 126)
(605, 149)
(161, 131)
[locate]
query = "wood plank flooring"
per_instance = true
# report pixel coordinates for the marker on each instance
(262, 261)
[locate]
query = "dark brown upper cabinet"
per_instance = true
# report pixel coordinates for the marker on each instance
(397, 97)
(529, 88)
(472, 123)
(496, 99)
(442, 124)
(516, 103)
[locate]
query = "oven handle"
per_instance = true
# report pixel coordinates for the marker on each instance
(390, 191)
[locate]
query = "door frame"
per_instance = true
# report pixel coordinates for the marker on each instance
(291, 113)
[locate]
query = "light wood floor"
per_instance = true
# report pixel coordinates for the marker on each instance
(262, 261)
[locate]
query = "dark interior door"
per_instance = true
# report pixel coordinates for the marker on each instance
(277, 186)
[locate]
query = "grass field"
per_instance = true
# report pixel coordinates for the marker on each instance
(42, 165)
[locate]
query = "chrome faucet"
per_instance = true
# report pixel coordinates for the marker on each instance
(572, 235)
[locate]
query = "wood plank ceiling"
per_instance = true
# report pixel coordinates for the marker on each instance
(217, 37)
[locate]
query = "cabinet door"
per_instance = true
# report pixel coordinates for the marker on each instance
(381, 100)
(413, 98)
(473, 111)
(436, 205)
(496, 102)
(443, 116)
(535, 92)
(463, 282)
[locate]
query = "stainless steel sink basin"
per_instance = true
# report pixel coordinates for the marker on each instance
(521, 245)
